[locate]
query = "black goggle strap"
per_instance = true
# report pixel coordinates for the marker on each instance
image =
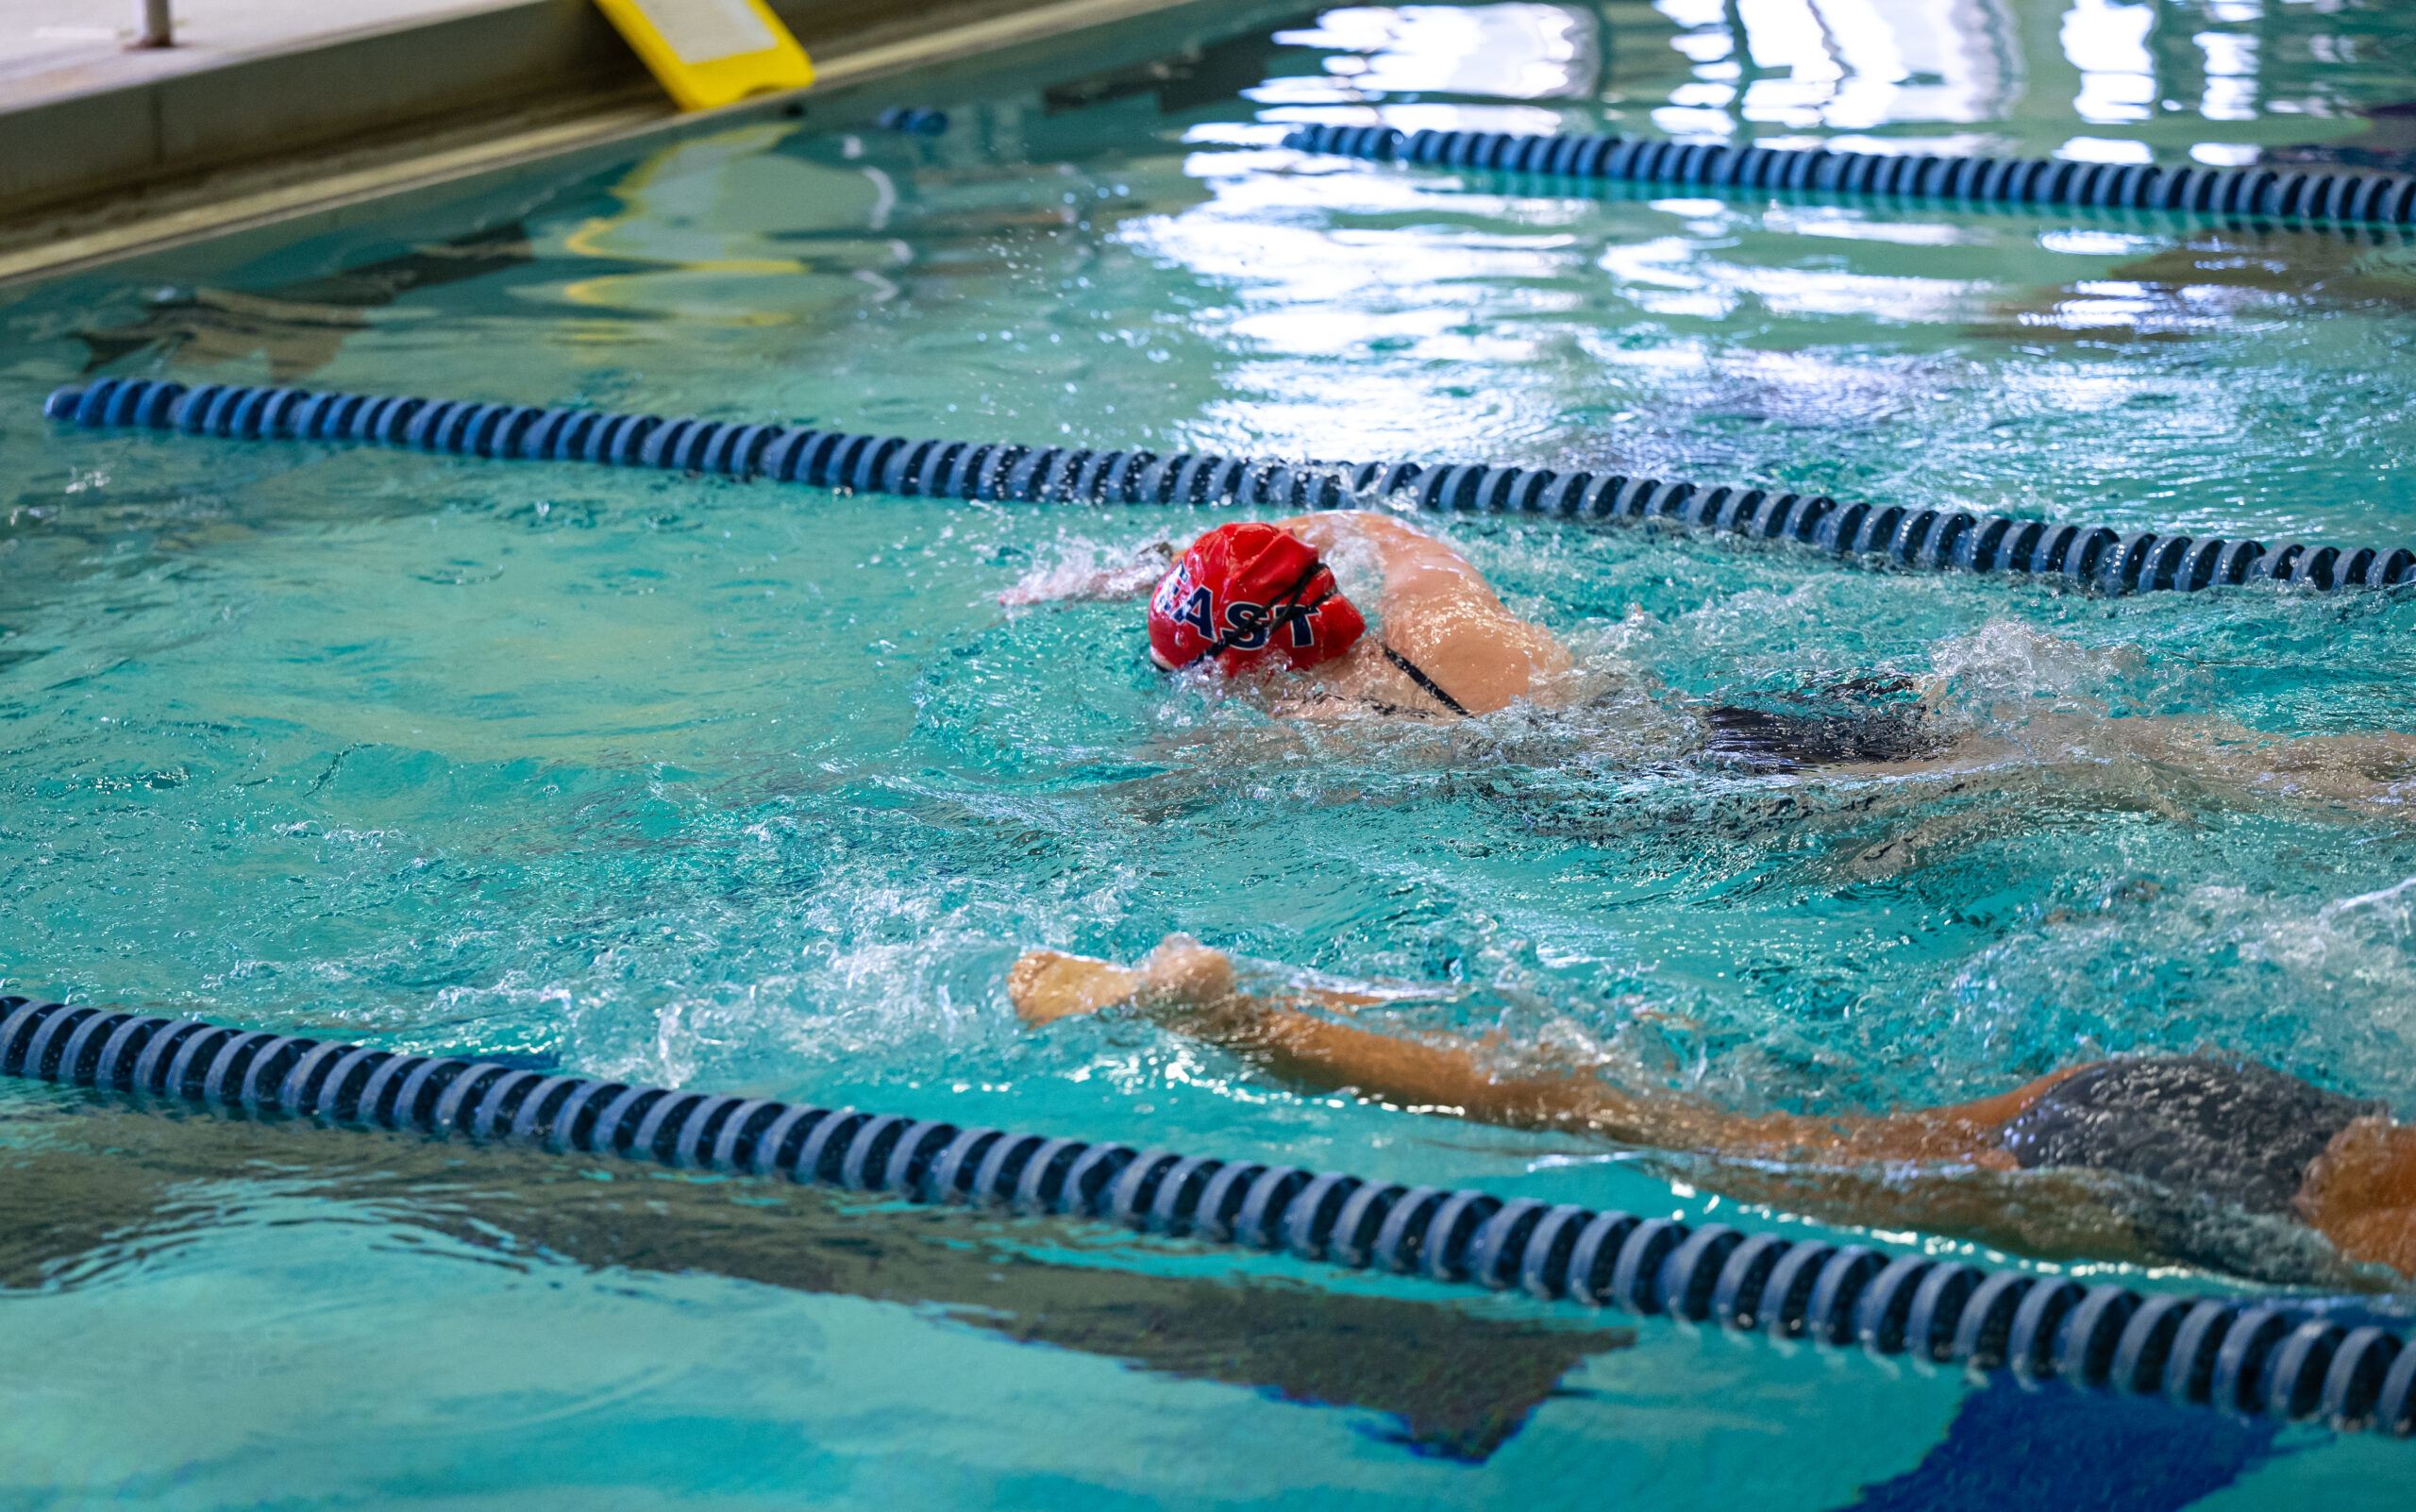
(1288, 609)
(1417, 675)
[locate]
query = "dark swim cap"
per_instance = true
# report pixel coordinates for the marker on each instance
(1244, 594)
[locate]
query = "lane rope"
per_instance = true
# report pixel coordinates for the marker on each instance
(2329, 1359)
(2315, 193)
(2093, 557)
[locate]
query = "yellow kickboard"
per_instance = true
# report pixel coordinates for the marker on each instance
(712, 52)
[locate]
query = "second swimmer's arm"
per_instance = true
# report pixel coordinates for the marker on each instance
(1196, 986)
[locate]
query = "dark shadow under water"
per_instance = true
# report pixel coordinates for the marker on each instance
(93, 1186)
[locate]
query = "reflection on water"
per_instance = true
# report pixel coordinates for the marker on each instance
(740, 234)
(1519, 52)
(1846, 64)
(2221, 82)
(2108, 43)
(2215, 278)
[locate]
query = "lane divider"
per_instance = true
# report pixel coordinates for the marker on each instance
(2280, 193)
(2097, 558)
(2292, 1358)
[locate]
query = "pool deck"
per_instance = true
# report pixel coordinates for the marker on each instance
(268, 110)
(52, 48)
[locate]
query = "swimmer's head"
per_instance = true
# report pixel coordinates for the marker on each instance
(1245, 596)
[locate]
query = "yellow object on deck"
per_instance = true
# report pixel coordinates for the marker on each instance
(712, 52)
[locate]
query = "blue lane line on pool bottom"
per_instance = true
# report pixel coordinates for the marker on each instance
(2279, 193)
(2008, 1450)
(2093, 557)
(2283, 1357)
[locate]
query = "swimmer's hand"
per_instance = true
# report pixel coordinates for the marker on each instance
(2361, 1193)
(1182, 969)
(1047, 986)
(1080, 583)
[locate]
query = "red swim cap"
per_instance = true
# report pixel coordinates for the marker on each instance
(1246, 592)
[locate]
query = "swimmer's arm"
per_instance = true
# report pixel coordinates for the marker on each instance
(1440, 612)
(1047, 986)
(1420, 570)
(1196, 986)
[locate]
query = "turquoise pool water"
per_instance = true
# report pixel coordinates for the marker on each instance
(749, 787)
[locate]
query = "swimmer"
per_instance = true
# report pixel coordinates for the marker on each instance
(1260, 602)
(1252, 597)
(2203, 1136)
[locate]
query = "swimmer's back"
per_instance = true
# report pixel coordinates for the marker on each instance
(2235, 1130)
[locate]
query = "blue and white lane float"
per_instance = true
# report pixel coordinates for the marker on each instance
(2093, 557)
(2283, 193)
(2293, 1358)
